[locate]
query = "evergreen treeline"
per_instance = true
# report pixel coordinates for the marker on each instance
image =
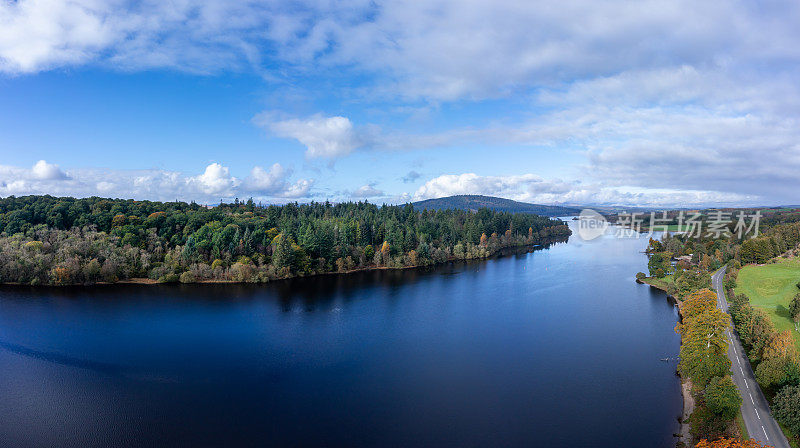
(49, 240)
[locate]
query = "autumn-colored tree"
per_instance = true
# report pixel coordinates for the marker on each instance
(484, 240)
(118, 220)
(703, 345)
(705, 262)
(730, 443)
(412, 257)
(779, 346)
(699, 302)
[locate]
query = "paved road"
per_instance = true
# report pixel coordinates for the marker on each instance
(755, 410)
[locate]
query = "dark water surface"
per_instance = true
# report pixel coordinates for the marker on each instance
(556, 348)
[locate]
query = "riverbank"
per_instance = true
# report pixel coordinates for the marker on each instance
(684, 434)
(662, 284)
(175, 278)
(688, 408)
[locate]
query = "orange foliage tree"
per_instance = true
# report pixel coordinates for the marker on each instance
(730, 443)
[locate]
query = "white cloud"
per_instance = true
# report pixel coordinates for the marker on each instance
(518, 186)
(323, 137)
(534, 189)
(366, 191)
(216, 179)
(275, 182)
(46, 171)
(213, 184)
(441, 50)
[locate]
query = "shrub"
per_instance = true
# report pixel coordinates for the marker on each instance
(169, 278)
(188, 277)
(705, 424)
(794, 308)
(640, 275)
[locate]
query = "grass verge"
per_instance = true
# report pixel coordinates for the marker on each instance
(742, 427)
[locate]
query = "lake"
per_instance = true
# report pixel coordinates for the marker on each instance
(557, 347)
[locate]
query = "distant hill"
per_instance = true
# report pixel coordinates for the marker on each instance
(475, 202)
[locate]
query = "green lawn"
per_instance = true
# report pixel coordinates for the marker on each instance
(771, 287)
(660, 283)
(670, 228)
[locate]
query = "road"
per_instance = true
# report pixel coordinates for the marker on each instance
(755, 410)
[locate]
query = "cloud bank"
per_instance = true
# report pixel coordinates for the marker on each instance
(215, 183)
(692, 100)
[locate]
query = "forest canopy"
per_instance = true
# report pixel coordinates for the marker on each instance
(50, 240)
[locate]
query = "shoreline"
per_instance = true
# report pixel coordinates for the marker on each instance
(521, 249)
(686, 384)
(649, 281)
(686, 391)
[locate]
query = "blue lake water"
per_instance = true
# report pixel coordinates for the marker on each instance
(558, 347)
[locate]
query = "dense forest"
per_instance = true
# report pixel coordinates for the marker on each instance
(63, 241)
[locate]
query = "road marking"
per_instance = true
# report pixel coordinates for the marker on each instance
(745, 383)
(765, 432)
(737, 361)
(740, 369)
(759, 417)
(751, 398)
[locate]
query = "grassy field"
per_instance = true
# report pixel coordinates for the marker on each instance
(771, 287)
(660, 283)
(670, 228)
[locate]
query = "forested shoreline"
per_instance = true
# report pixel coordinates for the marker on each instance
(46, 240)
(682, 266)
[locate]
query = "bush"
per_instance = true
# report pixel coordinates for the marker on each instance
(794, 308)
(169, 278)
(705, 424)
(188, 277)
(640, 275)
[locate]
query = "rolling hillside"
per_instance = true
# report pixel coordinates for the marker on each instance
(475, 202)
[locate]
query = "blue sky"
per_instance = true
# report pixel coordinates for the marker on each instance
(578, 102)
